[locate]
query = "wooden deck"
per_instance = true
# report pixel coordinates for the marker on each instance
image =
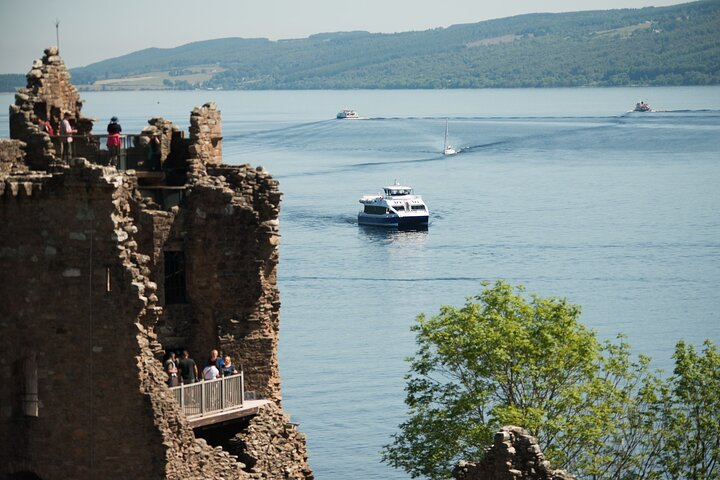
(249, 407)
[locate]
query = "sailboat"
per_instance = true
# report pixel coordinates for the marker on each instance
(447, 149)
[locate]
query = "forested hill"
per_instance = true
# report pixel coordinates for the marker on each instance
(677, 45)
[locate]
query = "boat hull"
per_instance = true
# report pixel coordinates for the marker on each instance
(414, 221)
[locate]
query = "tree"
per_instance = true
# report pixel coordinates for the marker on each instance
(692, 414)
(503, 359)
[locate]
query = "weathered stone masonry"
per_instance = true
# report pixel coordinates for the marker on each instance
(85, 313)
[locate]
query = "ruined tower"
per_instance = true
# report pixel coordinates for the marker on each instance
(103, 268)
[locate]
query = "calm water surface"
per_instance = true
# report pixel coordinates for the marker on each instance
(560, 190)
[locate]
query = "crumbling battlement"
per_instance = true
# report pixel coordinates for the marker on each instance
(47, 96)
(86, 254)
(514, 455)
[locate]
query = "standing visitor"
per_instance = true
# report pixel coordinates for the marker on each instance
(229, 368)
(216, 360)
(66, 139)
(188, 369)
(211, 372)
(171, 370)
(114, 141)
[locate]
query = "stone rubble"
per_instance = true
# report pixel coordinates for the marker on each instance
(514, 455)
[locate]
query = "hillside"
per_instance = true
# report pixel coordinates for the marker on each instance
(676, 45)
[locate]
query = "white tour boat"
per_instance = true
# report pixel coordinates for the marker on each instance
(447, 149)
(398, 206)
(347, 114)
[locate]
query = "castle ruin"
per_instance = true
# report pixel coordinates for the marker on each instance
(103, 268)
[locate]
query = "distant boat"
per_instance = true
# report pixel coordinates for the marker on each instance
(447, 149)
(642, 107)
(347, 114)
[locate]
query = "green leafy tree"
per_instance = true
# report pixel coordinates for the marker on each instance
(503, 359)
(692, 415)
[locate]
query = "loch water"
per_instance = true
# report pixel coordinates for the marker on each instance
(563, 191)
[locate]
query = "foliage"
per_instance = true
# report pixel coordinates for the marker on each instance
(504, 359)
(650, 46)
(692, 416)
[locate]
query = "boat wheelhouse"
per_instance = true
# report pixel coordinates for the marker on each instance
(397, 206)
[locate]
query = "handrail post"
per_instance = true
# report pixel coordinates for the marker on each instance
(182, 398)
(222, 394)
(242, 388)
(202, 399)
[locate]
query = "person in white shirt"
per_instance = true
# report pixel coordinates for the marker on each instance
(66, 131)
(210, 372)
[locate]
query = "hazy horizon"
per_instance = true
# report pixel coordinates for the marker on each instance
(92, 31)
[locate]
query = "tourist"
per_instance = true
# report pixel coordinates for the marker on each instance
(229, 368)
(114, 141)
(211, 372)
(45, 126)
(171, 370)
(188, 369)
(66, 139)
(154, 153)
(216, 360)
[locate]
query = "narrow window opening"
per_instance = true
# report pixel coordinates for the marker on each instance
(30, 401)
(108, 282)
(175, 278)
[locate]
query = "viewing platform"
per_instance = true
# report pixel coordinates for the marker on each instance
(158, 181)
(209, 402)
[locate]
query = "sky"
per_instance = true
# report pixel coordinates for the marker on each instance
(95, 30)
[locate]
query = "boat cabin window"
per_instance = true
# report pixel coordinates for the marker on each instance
(398, 191)
(399, 208)
(418, 207)
(375, 210)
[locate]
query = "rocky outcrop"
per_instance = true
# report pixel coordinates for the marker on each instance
(514, 455)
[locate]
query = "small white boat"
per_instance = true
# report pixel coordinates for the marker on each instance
(347, 114)
(398, 207)
(447, 149)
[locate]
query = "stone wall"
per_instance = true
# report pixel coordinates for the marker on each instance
(514, 455)
(206, 134)
(84, 316)
(12, 156)
(64, 263)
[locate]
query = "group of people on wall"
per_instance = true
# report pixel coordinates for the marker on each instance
(114, 142)
(185, 370)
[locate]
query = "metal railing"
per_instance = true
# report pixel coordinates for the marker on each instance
(137, 152)
(211, 396)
